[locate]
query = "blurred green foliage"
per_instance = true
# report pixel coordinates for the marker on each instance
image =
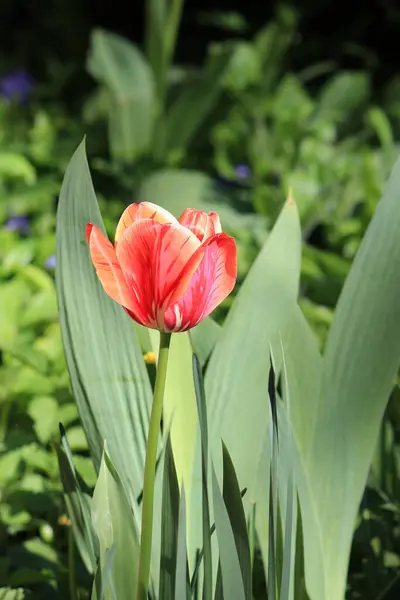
(249, 129)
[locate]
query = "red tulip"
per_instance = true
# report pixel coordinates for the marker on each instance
(167, 274)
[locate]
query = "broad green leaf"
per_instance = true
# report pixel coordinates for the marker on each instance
(232, 581)
(169, 526)
(264, 316)
(234, 506)
(361, 360)
(105, 362)
(114, 523)
(237, 375)
(121, 67)
(314, 557)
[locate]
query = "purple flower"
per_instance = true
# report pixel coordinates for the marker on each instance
(243, 171)
(18, 223)
(51, 262)
(17, 86)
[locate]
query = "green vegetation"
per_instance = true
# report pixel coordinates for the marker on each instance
(234, 135)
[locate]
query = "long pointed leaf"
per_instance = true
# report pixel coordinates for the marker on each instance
(182, 587)
(77, 502)
(234, 506)
(360, 364)
(232, 580)
(237, 374)
(114, 523)
(105, 363)
(169, 526)
(202, 412)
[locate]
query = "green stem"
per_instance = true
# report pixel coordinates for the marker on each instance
(150, 468)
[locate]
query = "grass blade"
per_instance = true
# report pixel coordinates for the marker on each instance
(232, 581)
(182, 587)
(77, 500)
(234, 506)
(169, 526)
(202, 412)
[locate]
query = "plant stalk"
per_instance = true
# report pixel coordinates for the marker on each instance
(150, 468)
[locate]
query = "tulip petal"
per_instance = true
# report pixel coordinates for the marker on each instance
(144, 210)
(108, 269)
(210, 284)
(157, 262)
(202, 224)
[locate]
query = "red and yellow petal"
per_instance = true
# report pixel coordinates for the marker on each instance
(213, 280)
(202, 224)
(154, 258)
(108, 269)
(144, 210)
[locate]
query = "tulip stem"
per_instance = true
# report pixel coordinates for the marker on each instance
(150, 468)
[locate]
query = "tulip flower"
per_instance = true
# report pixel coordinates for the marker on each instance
(167, 274)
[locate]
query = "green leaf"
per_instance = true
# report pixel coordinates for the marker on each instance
(192, 106)
(122, 68)
(343, 94)
(299, 587)
(234, 506)
(232, 581)
(12, 594)
(219, 591)
(202, 413)
(237, 375)
(162, 25)
(176, 189)
(105, 362)
(169, 526)
(204, 337)
(290, 558)
(44, 412)
(77, 501)
(16, 166)
(181, 575)
(361, 361)
(273, 41)
(273, 525)
(114, 522)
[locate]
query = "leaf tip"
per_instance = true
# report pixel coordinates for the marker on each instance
(290, 199)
